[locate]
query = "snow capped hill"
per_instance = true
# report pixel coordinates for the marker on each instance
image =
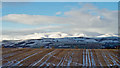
(59, 40)
(50, 35)
(79, 35)
(58, 35)
(108, 35)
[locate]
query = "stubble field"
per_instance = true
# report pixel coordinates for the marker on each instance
(59, 57)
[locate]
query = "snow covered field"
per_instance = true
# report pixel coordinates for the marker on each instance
(60, 57)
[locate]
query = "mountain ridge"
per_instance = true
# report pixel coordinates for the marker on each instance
(52, 35)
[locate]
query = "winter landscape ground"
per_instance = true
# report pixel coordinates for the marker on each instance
(60, 57)
(67, 34)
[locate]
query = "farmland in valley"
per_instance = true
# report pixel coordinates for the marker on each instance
(60, 57)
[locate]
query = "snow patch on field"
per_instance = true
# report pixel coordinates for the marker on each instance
(43, 58)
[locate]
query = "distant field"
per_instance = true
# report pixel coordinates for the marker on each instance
(60, 57)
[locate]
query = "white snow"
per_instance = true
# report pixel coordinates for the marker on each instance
(89, 59)
(47, 59)
(105, 58)
(108, 35)
(50, 35)
(60, 62)
(43, 58)
(93, 62)
(10, 62)
(24, 59)
(113, 60)
(70, 60)
(86, 58)
(83, 58)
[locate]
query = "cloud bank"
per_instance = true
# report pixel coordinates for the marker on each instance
(88, 19)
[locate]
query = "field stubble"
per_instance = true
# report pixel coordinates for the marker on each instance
(60, 57)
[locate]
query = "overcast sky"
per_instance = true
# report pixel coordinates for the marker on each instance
(69, 17)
